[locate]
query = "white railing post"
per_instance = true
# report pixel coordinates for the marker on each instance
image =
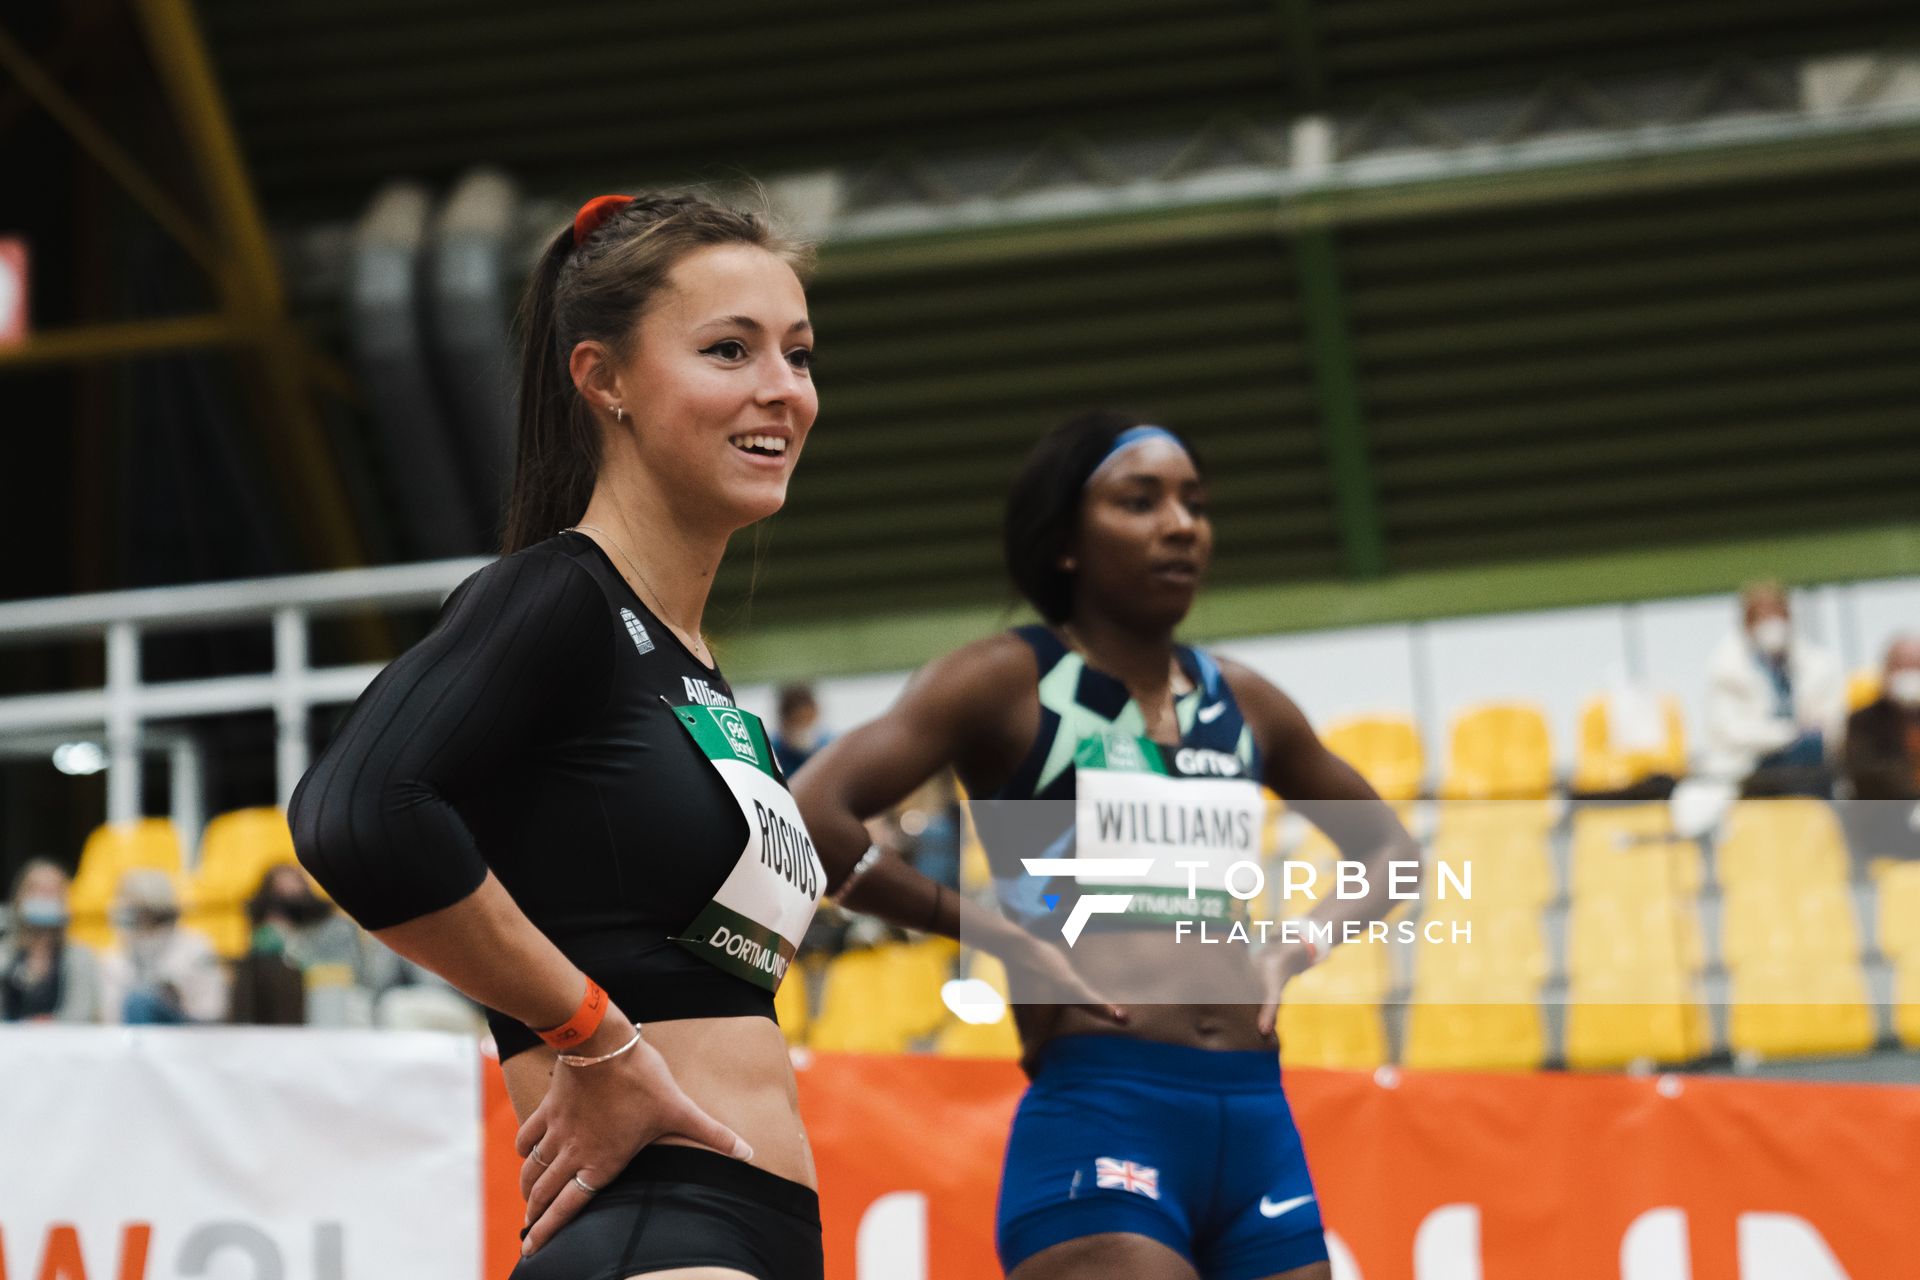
(290, 699)
(189, 801)
(123, 722)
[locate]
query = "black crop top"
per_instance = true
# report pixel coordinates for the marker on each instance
(529, 733)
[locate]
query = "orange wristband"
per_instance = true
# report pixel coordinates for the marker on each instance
(584, 1022)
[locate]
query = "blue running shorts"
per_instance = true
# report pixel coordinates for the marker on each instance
(1192, 1147)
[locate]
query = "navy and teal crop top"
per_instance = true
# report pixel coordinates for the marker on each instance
(1078, 702)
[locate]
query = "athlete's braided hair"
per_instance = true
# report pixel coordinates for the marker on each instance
(597, 290)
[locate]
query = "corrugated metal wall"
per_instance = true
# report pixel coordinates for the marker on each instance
(1549, 379)
(334, 97)
(1683, 363)
(1671, 366)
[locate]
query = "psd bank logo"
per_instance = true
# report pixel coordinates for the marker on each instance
(734, 725)
(1089, 905)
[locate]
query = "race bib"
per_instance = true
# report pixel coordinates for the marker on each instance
(755, 922)
(1192, 812)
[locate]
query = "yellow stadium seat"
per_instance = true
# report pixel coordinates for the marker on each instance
(1346, 1037)
(1786, 842)
(1780, 924)
(1475, 1037)
(1610, 825)
(1604, 765)
(1504, 946)
(1512, 871)
(882, 999)
(1668, 870)
(856, 1013)
(1863, 687)
(1906, 1009)
(1355, 973)
(1384, 749)
(1613, 1023)
(1899, 911)
(236, 852)
(915, 972)
(1525, 821)
(110, 852)
(792, 1004)
(1622, 938)
(1800, 1010)
(998, 1039)
(1500, 750)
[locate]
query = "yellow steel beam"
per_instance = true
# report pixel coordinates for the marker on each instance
(308, 479)
(121, 167)
(113, 341)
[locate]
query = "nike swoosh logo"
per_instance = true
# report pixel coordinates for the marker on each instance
(1269, 1210)
(1207, 715)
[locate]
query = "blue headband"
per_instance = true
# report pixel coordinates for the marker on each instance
(1129, 438)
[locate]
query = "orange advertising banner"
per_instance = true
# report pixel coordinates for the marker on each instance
(1422, 1176)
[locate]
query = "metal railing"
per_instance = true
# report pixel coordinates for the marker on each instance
(126, 705)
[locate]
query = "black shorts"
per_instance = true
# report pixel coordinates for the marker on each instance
(687, 1207)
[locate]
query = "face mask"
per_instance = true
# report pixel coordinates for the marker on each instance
(303, 908)
(1903, 687)
(1771, 635)
(44, 911)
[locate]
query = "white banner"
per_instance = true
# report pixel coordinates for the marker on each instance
(242, 1154)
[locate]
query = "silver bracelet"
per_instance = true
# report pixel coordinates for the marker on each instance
(860, 868)
(575, 1060)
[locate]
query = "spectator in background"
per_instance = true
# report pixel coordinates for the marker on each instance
(159, 972)
(1883, 759)
(798, 734)
(269, 987)
(1776, 703)
(307, 962)
(43, 976)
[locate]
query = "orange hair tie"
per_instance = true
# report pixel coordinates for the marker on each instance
(584, 1022)
(593, 213)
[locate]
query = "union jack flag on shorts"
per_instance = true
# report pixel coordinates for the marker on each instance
(1125, 1175)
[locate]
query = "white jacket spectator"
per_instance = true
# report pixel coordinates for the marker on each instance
(1770, 691)
(159, 972)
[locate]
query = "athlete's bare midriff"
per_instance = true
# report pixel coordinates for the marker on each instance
(1118, 963)
(1141, 970)
(735, 1069)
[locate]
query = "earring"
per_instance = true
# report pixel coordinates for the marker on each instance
(619, 413)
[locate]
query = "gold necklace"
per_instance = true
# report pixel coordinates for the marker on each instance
(696, 644)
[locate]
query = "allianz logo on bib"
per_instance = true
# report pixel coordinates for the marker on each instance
(734, 725)
(700, 693)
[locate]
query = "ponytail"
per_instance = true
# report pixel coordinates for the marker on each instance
(557, 454)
